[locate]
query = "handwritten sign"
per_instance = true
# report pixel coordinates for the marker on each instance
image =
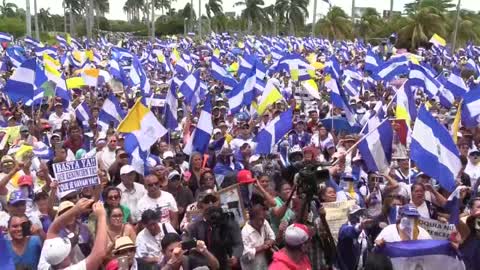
(337, 215)
(75, 175)
(437, 229)
(231, 202)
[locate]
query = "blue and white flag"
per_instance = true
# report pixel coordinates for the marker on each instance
(422, 254)
(5, 37)
(62, 41)
(121, 53)
(139, 77)
(21, 85)
(111, 113)
(171, 108)
(456, 84)
(434, 150)
(190, 88)
(419, 76)
(40, 51)
(332, 67)
(200, 137)
(391, 69)
(83, 114)
(372, 61)
(376, 146)
(219, 73)
(471, 108)
(273, 132)
(339, 100)
(32, 42)
(16, 55)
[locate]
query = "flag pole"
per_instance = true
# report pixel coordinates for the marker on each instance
(360, 140)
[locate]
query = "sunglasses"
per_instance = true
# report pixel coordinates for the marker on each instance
(113, 141)
(114, 197)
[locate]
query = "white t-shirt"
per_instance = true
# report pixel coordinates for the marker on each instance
(165, 202)
(82, 265)
(132, 197)
(107, 157)
(390, 234)
(149, 245)
(423, 210)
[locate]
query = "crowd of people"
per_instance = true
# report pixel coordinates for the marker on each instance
(170, 214)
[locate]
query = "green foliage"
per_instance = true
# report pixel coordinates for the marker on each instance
(13, 25)
(173, 26)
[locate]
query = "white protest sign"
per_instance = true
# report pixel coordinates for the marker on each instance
(75, 175)
(231, 201)
(337, 215)
(437, 229)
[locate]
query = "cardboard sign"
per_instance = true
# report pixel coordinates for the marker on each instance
(75, 175)
(337, 215)
(437, 229)
(231, 201)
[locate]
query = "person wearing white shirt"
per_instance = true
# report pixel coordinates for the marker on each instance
(158, 200)
(131, 192)
(258, 237)
(55, 119)
(148, 241)
(107, 156)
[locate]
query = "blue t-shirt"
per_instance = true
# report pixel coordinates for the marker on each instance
(30, 257)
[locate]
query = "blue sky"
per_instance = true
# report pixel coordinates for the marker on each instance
(116, 6)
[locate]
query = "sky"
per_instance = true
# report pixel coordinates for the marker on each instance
(116, 6)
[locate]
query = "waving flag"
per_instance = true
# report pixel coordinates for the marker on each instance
(139, 77)
(456, 84)
(434, 151)
(171, 108)
(111, 113)
(392, 68)
(339, 100)
(191, 88)
(405, 100)
(270, 96)
(438, 40)
(273, 132)
(201, 135)
(471, 108)
(5, 37)
(423, 254)
(83, 114)
(420, 77)
(372, 61)
(32, 42)
(41, 51)
(16, 55)
(219, 73)
(376, 146)
(333, 68)
(21, 85)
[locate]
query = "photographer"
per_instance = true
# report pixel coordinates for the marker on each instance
(218, 230)
(175, 255)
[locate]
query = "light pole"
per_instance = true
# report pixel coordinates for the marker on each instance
(314, 17)
(200, 18)
(185, 27)
(37, 31)
(191, 16)
(29, 18)
(353, 11)
(456, 25)
(153, 21)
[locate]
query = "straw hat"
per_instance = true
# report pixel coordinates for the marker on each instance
(123, 243)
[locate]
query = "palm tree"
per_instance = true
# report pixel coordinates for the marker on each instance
(369, 23)
(44, 19)
(421, 25)
(8, 9)
(272, 16)
(75, 8)
(440, 5)
(335, 25)
(468, 26)
(100, 7)
(215, 7)
(293, 13)
(252, 12)
(133, 7)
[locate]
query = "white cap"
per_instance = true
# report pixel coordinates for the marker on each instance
(254, 158)
(126, 169)
(56, 250)
(296, 234)
(216, 130)
(168, 154)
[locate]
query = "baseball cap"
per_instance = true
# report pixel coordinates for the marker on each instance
(17, 196)
(172, 175)
(23, 128)
(217, 130)
(245, 177)
(355, 209)
(409, 211)
(58, 104)
(126, 169)
(296, 234)
(168, 154)
(25, 180)
(56, 250)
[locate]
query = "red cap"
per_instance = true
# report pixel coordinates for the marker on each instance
(25, 180)
(112, 265)
(245, 177)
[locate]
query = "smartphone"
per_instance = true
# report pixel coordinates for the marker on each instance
(26, 228)
(189, 244)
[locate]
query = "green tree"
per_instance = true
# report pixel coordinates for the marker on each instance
(293, 13)
(8, 9)
(252, 12)
(440, 5)
(44, 19)
(468, 26)
(215, 7)
(370, 23)
(421, 25)
(335, 25)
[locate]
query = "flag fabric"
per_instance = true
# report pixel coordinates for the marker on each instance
(143, 125)
(456, 122)
(32, 42)
(453, 205)
(90, 76)
(111, 113)
(41, 51)
(219, 73)
(273, 132)
(339, 99)
(270, 96)
(421, 78)
(376, 146)
(190, 88)
(16, 55)
(434, 151)
(456, 84)
(83, 114)
(139, 77)
(405, 101)
(392, 68)
(5, 37)
(171, 108)
(372, 61)
(312, 88)
(422, 254)
(21, 85)
(200, 137)
(438, 40)
(471, 108)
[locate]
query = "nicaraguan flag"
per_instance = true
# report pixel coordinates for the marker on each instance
(219, 73)
(372, 61)
(21, 85)
(405, 100)
(339, 100)
(422, 254)
(83, 114)
(333, 68)
(40, 51)
(5, 37)
(16, 55)
(139, 77)
(111, 113)
(434, 150)
(32, 42)
(420, 77)
(191, 88)
(376, 146)
(200, 137)
(456, 84)
(471, 108)
(121, 54)
(171, 108)
(392, 68)
(273, 132)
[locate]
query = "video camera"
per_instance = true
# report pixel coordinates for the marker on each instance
(310, 176)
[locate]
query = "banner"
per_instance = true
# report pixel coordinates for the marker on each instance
(75, 175)
(336, 215)
(437, 229)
